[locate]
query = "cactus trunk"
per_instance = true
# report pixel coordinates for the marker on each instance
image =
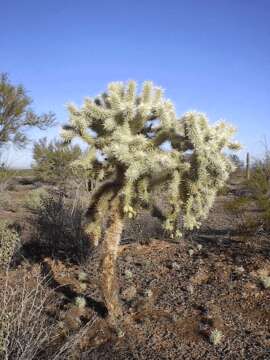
(109, 281)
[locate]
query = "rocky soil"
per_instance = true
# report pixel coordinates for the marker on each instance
(174, 296)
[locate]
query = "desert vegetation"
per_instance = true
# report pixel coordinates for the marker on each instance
(148, 243)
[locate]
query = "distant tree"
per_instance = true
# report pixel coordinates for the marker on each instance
(236, 160)
(52, 160)
(16, 115)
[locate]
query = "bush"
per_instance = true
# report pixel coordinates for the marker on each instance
(53, 159)
(30, 319)
(26, 330)
(256, 194)
(6, 202)
(34, 199)
(6, 175)
(259, 186)
(142, 229)
(9, 240)
(238, 208)
(58, 229)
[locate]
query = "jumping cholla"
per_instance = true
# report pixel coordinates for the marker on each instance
(136, 145)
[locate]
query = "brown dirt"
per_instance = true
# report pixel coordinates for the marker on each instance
(178, 296)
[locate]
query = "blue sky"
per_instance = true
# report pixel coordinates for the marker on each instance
(209, 55)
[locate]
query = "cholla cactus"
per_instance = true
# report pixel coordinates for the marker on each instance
(125, 132)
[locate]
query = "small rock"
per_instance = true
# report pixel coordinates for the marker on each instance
(149, 293)
(200, 277)
(128, 259)
(176, 266)
(239, 269)
(191, 252)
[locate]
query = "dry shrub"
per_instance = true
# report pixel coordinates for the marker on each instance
(58, 230)
(31, 314)
(224, 191)
(238, 208)
(29, 320)
(25, 329)
(6, 201)
(142, 229)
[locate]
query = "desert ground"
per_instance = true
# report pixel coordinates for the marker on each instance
(174, 294)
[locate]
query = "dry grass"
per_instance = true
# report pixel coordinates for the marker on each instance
(29, 324)
(24, 326)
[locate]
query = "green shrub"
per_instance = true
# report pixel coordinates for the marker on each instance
(6, 175)
(53, 159)
(259, 186)
(34, 199)
(9, 240)
(224, 191)
(6, 202)
(237, 205)
(257, 196)
(237, 208)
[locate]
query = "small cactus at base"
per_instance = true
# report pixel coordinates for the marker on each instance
(128, 274)
(80, 302)
(82, 276)
(265, 281)
(216, 337)
(83, 286)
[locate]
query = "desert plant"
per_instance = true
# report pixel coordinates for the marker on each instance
(6, 175)
(29, 320)
(9, 240)
(58, 229)
(27, 332)
(23, 330)
(80, 302)
(52, 161)
(259, 185)
(16, 115)
(216, 337)
(137, 144)
(236, 160)
(265, 281)
(34, 199)
(237, 207)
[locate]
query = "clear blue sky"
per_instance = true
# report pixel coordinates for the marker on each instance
(209, 55)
